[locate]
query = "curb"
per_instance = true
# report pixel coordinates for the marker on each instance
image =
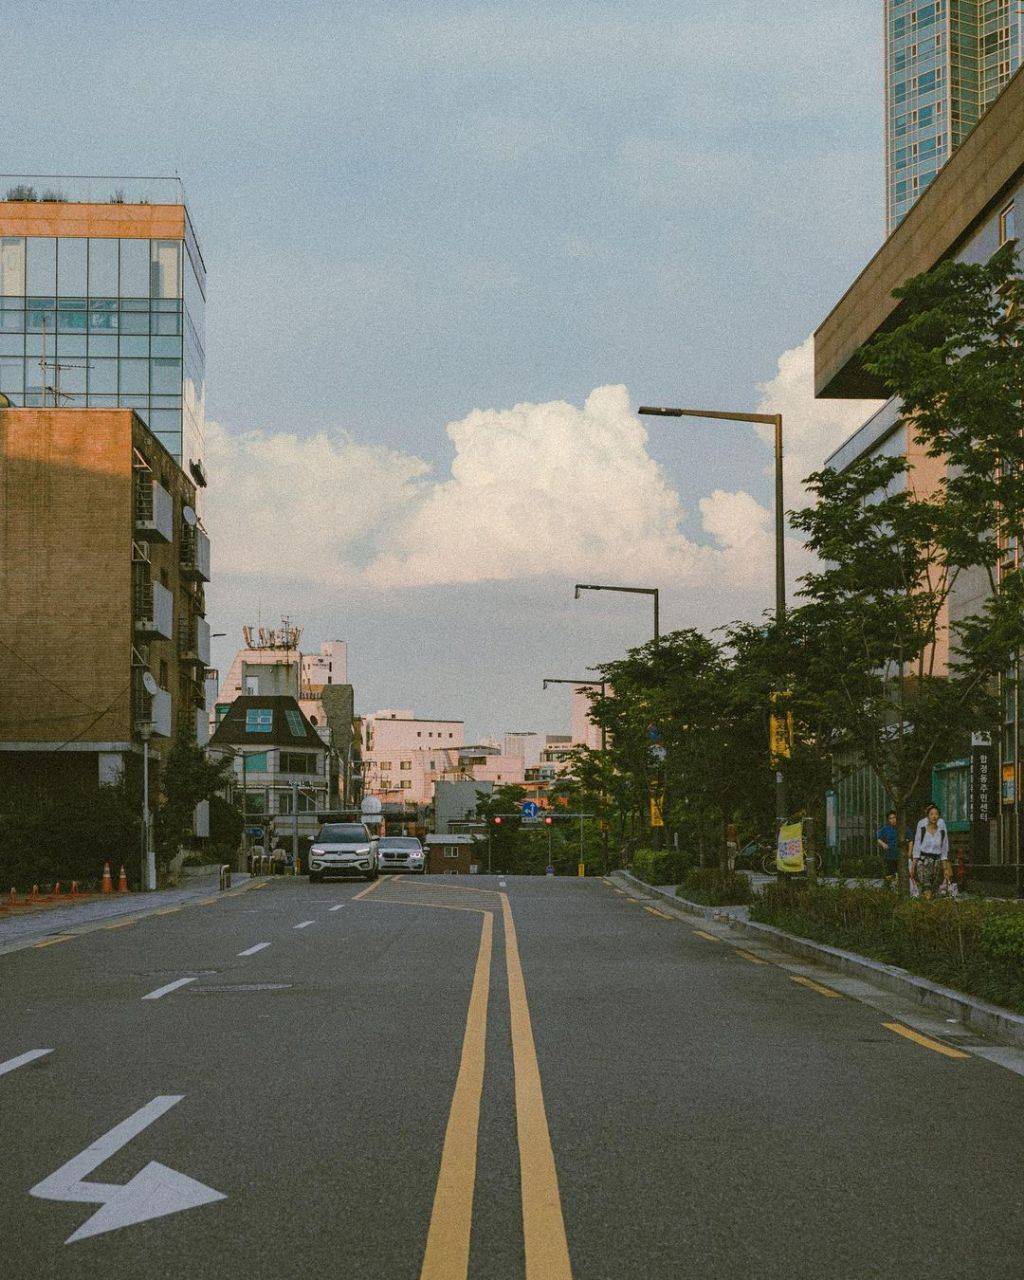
(987, 1019)
(140, 910)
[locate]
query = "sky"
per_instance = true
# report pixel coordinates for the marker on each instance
(451, 248)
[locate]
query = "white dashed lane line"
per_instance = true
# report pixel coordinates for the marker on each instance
(22, 1060)
(304, 924)
(338, 907)
(171, 986)
(251, 951)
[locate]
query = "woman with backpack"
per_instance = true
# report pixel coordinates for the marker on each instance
(930, 866)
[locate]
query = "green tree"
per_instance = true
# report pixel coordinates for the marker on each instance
(188, 776)
(892, 680)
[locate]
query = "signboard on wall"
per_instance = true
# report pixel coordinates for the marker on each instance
(983, 784)
(984, 805)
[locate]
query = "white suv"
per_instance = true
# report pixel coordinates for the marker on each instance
(343, 849)
(402, 853)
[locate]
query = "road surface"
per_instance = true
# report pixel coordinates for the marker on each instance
(435, 1079)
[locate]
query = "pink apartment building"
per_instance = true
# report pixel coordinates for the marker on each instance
(584, 732)
(403, 756)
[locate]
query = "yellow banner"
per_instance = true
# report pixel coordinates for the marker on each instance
(657, 811)
(790, 854)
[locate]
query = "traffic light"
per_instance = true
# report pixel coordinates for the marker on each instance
(548, 820)
(498, 819)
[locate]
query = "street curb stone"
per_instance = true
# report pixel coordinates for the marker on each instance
(981, 1016)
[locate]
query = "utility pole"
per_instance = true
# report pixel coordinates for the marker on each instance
(295, 825)
(148, 876)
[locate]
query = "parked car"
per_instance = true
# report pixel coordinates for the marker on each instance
(343, 849)
(402, 853)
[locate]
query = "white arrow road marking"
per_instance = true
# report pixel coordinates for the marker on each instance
(304, 925)
(251, 951)
(22, 1060)
(153, 1193)
(171, 986)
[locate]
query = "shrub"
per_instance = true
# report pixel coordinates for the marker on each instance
(975, 946)
(862, 867)
(1002, 938)
(714, 887)
(661, 866)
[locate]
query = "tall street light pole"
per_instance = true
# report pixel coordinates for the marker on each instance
(592, 684)
(773, 420)
(631, 591)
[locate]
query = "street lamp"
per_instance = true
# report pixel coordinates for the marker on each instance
(773, 420)
(632, 591)
(593, 684)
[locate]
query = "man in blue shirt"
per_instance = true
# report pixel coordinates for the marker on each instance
(889, 842)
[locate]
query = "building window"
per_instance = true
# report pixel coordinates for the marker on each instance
(385, 766)
(405, 785)
(295, 722)
(451, 853)
(405, 766)
(258, 720)
(297, 762)
(256, 801)
(1007, 225)
(255, 762)
(306, 803)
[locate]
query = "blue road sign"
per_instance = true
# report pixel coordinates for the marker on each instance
(529, 809)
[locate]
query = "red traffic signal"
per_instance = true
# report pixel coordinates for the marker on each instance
(498, 820)
(548, 820)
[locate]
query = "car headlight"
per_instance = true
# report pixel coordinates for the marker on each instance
(415, 855)
(316, 852)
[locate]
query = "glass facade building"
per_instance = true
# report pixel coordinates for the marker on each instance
(103, 320)
(945, 63)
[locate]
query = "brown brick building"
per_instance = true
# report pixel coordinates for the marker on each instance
(102, 566)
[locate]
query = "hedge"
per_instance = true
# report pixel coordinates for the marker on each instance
(714, 887)
(974, 946)
(661, 866)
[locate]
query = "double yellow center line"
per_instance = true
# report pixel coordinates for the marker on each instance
(546, 1247)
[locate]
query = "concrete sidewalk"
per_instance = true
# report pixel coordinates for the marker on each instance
(17, 931)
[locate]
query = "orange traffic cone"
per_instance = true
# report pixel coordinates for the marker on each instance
(122, 882)
(108, 884)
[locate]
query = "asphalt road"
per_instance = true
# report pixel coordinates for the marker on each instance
(433, 1080)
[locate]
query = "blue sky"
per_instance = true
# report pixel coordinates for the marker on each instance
(413, 211)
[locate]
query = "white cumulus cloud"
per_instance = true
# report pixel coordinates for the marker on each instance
(537, 489)
(811, 428)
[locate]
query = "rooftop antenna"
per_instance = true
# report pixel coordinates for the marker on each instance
(44, 364)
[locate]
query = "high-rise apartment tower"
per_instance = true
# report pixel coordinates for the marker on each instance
(945, 63)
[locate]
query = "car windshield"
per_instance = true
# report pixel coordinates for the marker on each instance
(343, 832)
(400, 842)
